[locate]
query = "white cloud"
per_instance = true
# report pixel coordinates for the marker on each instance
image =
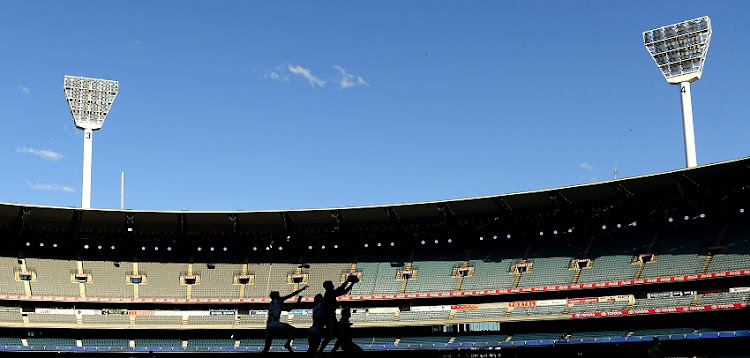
(41, 153)
(348, 80)
(25, 90)
(587, 166)
(307, 74)
(49, 187)
(277, 77)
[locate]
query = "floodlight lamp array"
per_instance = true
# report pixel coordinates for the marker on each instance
(89, 99)
(680, 49)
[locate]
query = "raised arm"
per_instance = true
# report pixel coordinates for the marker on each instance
(284, 298)
(343, 289)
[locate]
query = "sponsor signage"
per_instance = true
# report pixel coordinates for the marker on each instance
(661, 310)
(71, 312)
(141, 313)
(464, 307)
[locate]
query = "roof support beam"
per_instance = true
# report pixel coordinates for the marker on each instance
(75, 222)
(21, 218)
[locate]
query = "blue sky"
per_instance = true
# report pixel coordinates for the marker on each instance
(297, 104)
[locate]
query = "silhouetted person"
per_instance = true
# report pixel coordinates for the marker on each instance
(345, 334)
(329, 307)
(315, 333)
(655, 350)
(274, 327)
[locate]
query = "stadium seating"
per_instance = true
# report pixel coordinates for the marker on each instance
(598, 334)
(537, 311)
(423, 340)
(673, 265)
(11, 315)
(537, 336)
(260, 288)
(383, 340)
(104, 342)
(8, 283)
(320, 272)
(216, 281)
(358, 316)
(380, 316)
(661, 331)
(51, 318)
(158, 342)
(158, 320)
(433, 276)
(681, 301)
(253, 320)
(108, 280)
(106, 319)
(53, 277)
(366, 285)
(211, 320)
(736, 254)
(490, 275)
(480, 313)
(51, 342)
(609, 268)
(424, 315)
(547, 271)
(210, 343)
(480, 338)
(724, 297)
(10, 341)
(162, 279)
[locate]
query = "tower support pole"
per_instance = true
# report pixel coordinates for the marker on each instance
(88, 138)
(687, 124)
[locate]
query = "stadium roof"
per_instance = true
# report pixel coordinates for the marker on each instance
(705, 180)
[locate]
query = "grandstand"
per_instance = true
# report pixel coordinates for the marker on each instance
(586, 266)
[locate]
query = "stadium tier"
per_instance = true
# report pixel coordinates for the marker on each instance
(591, 264)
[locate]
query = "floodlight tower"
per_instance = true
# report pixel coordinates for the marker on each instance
(90, 100)
(679, 51)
